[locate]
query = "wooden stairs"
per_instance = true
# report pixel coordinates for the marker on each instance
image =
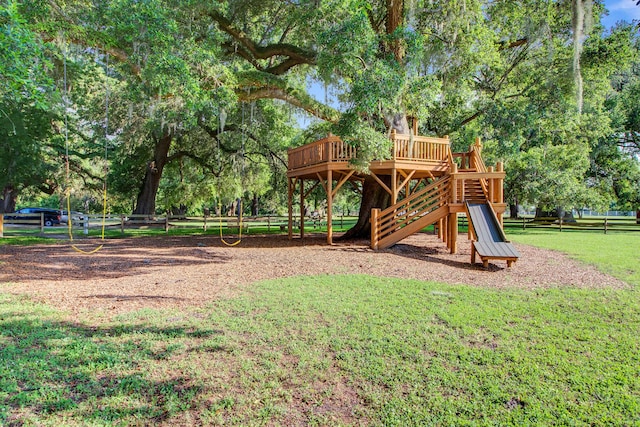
(425, 207)
(411, 214)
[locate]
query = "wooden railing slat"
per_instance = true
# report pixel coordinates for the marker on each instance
(333, 149)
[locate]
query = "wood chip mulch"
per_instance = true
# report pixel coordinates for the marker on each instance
(164, 272)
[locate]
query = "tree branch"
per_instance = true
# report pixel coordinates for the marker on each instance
(305, 102)
(252, 51)
(198, 160)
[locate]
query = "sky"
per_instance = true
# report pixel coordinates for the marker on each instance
(620, 10)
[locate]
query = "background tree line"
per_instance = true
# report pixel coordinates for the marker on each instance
(187, 105)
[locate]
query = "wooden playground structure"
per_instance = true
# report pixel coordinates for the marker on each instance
(429, 184)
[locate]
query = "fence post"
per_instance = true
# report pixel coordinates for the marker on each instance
(268, 222)
(605, 225)
(524, 223)
(1, 225)
(204, 226)
(85, 224)
(166, 223)
(42, 222)
(560, 223)
(122, 223)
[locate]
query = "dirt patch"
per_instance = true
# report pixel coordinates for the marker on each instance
(160, 272)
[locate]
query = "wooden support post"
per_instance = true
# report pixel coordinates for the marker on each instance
(492, 194)
(394, 186)
(440, 228)
(454, 185)
(290, 226)
(500, 183)
(302, 208)
(329, 207)
(393, 139)
(605, 225)
(453, 232)
(375, 212)
(445, 230)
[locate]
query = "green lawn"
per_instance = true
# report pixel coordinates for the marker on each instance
(615, 253)
(342, 350)
(332, 350)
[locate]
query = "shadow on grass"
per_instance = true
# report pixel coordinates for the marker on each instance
(54, 370)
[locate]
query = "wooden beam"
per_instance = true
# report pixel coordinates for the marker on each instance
(415, 187)
(306, 194)
(291, 186)
(453, 233)
(329, 208)
(323, 182)
(341, 182)
(394, 188)
(302, 208)
(355, 187)
(382, 184)
(406, 179)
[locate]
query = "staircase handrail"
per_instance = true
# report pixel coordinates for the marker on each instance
(412, 208)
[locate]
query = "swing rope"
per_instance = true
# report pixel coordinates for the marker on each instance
(239, 206)
(67, 172)
(237, 242)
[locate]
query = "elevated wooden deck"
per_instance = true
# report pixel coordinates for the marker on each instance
(425, 156)
(416, 165)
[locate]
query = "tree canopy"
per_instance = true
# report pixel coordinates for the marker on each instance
(196, 102)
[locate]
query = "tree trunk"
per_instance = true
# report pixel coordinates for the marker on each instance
(513, 211)
(146, 203)
(254, 205)
(513, 208)
(373, 196)
(8, 201)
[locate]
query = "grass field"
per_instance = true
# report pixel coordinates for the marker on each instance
(341, 350)
(332, 350)
(617, 254)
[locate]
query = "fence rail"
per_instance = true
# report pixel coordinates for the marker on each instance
(16, 224)
(585, 224)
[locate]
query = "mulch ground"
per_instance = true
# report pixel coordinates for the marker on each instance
(163, 272)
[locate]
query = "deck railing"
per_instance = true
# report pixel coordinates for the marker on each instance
(325, 150)
(405, 147)
(416, 148)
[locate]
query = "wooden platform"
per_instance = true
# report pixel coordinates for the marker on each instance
(415, 163)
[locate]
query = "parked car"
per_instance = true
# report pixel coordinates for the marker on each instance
(51, 216)
(75, 216)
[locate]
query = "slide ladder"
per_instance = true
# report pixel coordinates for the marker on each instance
(490, 241)
(411, 214)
